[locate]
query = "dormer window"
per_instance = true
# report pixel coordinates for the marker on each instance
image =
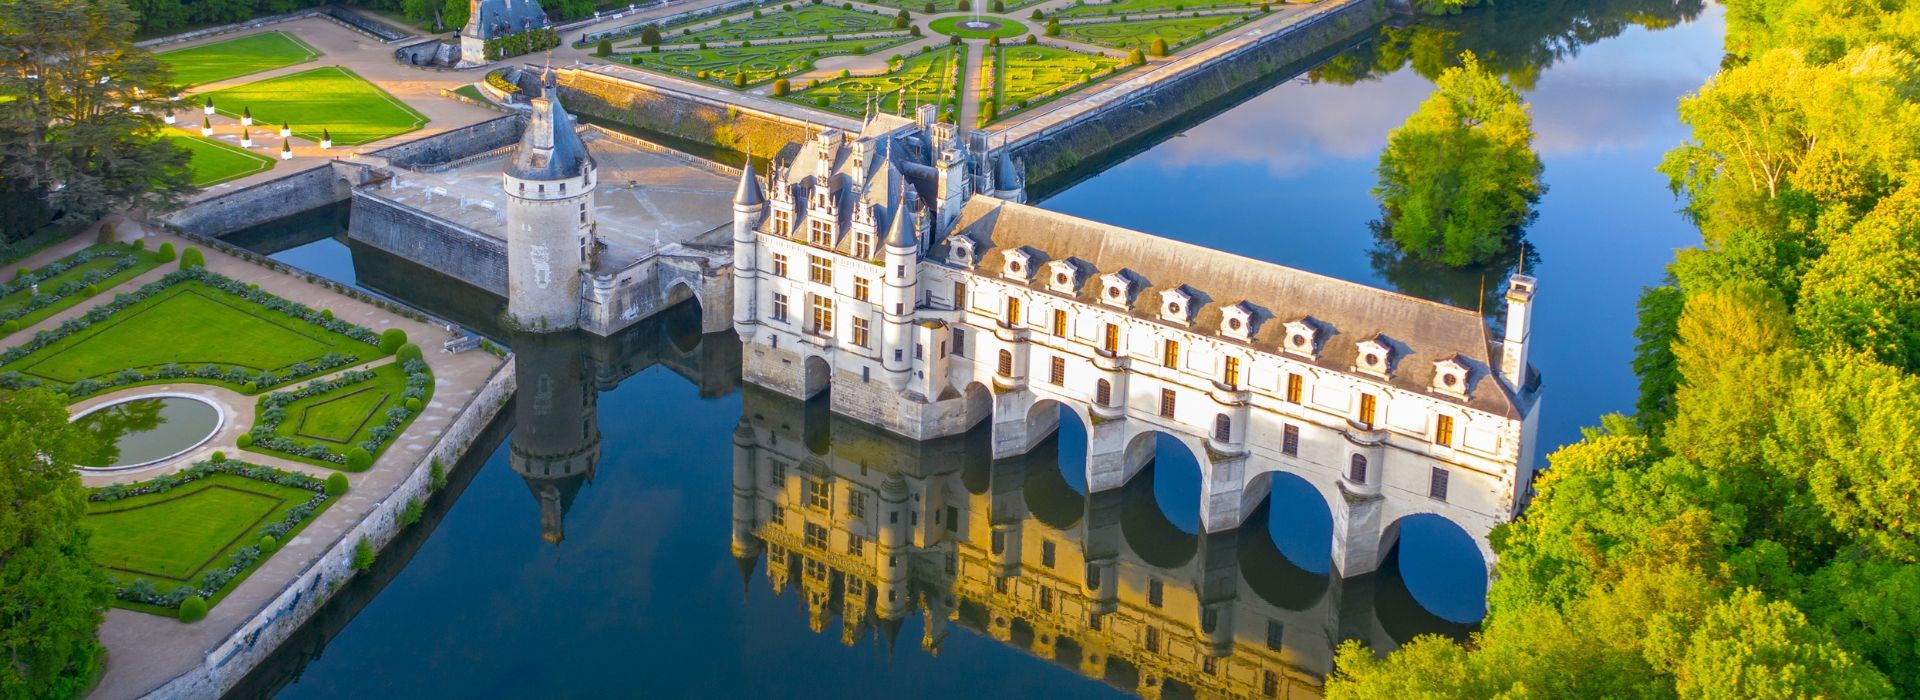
(1019, 265)
(1374, 356)
(1064, 277)
(1236, 322)
(1116, 290)
(1302, 339)
(960, 251)
(1450, 377)
(1176, 305)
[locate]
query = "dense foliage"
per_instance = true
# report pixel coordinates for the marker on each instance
(1751, 532)
(52, 597)
(1458, 180)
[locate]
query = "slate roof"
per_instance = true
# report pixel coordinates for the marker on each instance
(492, 19)
(1420, 332)
(550, 149)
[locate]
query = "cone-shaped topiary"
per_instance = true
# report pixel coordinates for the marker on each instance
(165, 254)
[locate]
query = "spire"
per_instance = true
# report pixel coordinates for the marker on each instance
(748, 194)
(746, 564)
(905, 227)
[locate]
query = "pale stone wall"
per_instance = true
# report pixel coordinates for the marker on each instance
(312, 188)
(458, 252)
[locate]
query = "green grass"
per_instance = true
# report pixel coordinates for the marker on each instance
(172, 538)
(1178, 32)
(146, 260)
(1122, 7)
(215, 162)
(330, 98)
(923, 78)
(344, 417)
(1004, 28)
(472, 93)
(190, 324)
(759, 64)
(804, 20)
(1026, 77)
(232, 58)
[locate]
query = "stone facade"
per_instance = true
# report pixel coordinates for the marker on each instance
(976, 308)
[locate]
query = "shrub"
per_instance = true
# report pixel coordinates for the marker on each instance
(358, 459)
(604, 48)
(166, 252)
(245, 440)
(437, 476)
(993, 41)
(955, 40)
(1158, 47)
(965, 6)
(193, 259)
(820, 101)
(1053, 27)
(391, 339)
(650, 35)
(219, 456)
(406, 352)
(928, 8)
(412, 514)
(193, 609)
(999, 6)
(1135, 58)
(413, 405)
(1036, 16)
(781, 87)
(337, 483)
(363, 555)
(140, 244)
(1031, 40)
(740, 79)
(106, 233)
(268, 544)
(11, 325)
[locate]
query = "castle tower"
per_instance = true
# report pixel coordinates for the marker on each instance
(1513, 350)
(749, 207)
(746, 545)
(952, 168)
(549, 186)
(1009, 183)
(901, 291)
(556, 431)
(891, 564)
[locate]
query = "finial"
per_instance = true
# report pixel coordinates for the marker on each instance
(1523, 258)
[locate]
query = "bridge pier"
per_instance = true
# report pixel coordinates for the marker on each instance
(1222, 491)
(1356, 532)
(1113, 459)
(1102, 583)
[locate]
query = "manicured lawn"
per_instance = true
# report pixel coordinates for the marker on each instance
(190, 324)
(1002, 27)
(1140, 34)
(331, 98)
(1121, 7)
(232, 58)
(344, 415)
(758, 64)
(102, 268)
(923, 78)
(338, 419)
(215, 162)
(1028, 76)
(804, 20)
(472, 93)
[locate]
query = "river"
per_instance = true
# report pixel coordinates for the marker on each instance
(599, 559)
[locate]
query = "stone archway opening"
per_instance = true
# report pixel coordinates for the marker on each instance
(817, 374)
(1440, 564)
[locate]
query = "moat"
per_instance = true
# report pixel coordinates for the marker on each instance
(622, 577)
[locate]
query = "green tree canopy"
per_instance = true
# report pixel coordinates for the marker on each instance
(1458, 180)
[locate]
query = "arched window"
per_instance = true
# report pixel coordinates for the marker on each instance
(1357, 469)
(1222, 428)
(1006, 363)
(1103, 393)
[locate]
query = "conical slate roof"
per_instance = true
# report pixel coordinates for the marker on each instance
(550, 149)
(748, 194)
(905, 227)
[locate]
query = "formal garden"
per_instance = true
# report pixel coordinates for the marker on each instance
(232, 58)
(329, 101)
(345, 421)
(746, 66)
(1025, 77)
(178, 544)
(930, 77)
(802, 20)
(1124, 7)
(33, 295)
(214, 162)
(1175, 33)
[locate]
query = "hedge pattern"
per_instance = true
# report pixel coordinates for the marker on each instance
(273, 413)
(45, 298)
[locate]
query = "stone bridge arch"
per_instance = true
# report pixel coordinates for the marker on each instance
(1301, 506)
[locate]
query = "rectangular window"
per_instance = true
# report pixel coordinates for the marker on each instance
(782, 223)
(1046, 599)
(822, 315)
(959, 295)
(1060, 322)
(816, 536)
(1156, 593)
(1443, 431)
(1111, 343)
(863, 245)
(1290, 441)
(1103, 392)
(1166, 403)
(1232, 377)
(1269, 684)
(1294, 382)
(953, 519)
(960, 342)
(1153, 639)
(1437, 484)
(819, 269)
(779, 474)
(1366, 410)
(1057, 371)
(1013, 311)
(861, 334)
(1006, 364)
(779, 265)
(1274, 633)
(1046, 554)
(861, 290)
(856, 504)
(856, 545)
(1170, 354)
(820, 232)
(779, 307)
(819, 494)
(779, 516)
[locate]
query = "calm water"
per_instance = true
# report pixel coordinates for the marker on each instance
(607, 545)
(143, 430)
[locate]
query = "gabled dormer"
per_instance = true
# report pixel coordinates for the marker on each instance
(1373, 356)
(1177, 305)
(1018, 264)
(1450, 377)
(1303, 339)
(1236, 321)
(960, 251)
(1117, 289)
(1063, 276)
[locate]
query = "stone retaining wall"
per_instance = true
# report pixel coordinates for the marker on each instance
(1143, 103)
(312, 188)
(451, 146)
(684, 115)
(458, 252)
(230, 661)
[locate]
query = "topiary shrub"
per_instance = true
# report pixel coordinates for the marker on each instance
(357, 459)
(192, 259)
(604, 48)
(140, 244)
(106, 233)
(363, 555)
(781, 87)
(1036, 16)
(268, 544)
(166, 252)
(11, 325)
(245, 440)
(193, 609)
(326, 313)
(413, 405)
(391, 339)
(219, 456)
(337, 482)
(1135, 58)
(407, 352)
(1158, 47)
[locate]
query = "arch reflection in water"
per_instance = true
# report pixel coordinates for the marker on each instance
(868, 529)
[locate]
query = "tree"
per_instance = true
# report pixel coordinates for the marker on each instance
(1443, 7)
(1748, 647)
(416, 11)
(71, 134)
(1459, 179)
(603, 48)
(454, 13)
(52, 596)
(649, 35)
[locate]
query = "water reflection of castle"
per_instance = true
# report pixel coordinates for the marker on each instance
(871, 528)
